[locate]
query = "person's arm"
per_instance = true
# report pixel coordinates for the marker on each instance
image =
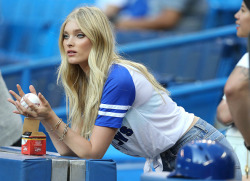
(223, 113)
(166, 20)
(73, 144)
(95, 148)
(112, 8)
(112, 11)
(238, 98)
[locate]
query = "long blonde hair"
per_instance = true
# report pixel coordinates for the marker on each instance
(83, 92)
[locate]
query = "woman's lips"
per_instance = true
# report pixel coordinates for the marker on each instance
(71, 53)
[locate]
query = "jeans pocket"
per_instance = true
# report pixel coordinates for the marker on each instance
(195, 133)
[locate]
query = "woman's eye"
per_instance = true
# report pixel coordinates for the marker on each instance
(80, 35)
(65, 36)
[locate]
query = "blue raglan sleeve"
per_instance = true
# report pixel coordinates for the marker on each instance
(117, 97)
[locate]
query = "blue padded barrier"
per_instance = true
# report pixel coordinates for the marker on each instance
(15, 166)
(100, 170)
(24, 168)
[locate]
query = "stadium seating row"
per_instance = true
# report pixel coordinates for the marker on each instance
(31, 31)
(174, 60)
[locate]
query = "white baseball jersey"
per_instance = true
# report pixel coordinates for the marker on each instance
(147, 125)
(244, 61)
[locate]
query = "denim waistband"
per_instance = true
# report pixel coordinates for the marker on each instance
(201, 130)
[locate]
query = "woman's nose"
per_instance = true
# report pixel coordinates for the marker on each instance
(70, 42)
(236, 15)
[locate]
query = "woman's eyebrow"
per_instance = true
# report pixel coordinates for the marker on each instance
(75, 31)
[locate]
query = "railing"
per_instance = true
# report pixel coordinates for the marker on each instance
(24, 69)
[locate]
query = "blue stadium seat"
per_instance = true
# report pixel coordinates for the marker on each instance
(30, 29)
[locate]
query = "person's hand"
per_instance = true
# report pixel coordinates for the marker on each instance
(123, 25)
(126, 24)
(41, 112)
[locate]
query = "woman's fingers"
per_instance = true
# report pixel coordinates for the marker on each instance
(15, 95)
(21, 93)
(31, 105)
(20, 90)
(25, 111)
(19, 107)
(11, 101)
(32, 109)
(32, 89)
(42, 98)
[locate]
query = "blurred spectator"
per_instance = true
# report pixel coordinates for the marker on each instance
(178, 15)
(235, 106)
(10, 124)
(116, 9)
(237, 88)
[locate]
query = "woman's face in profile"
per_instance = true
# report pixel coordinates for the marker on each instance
(77, 46)
(243, 21)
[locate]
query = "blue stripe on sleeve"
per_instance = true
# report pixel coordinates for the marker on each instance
(117, 97)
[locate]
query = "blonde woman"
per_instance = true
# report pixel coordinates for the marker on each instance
(113, 101)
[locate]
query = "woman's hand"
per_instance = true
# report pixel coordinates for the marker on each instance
(41, 112)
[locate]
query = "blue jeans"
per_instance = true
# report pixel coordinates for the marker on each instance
(201, 130)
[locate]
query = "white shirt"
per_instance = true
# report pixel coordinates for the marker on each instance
(147, 125)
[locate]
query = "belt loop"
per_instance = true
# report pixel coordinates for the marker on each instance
(201, 124)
